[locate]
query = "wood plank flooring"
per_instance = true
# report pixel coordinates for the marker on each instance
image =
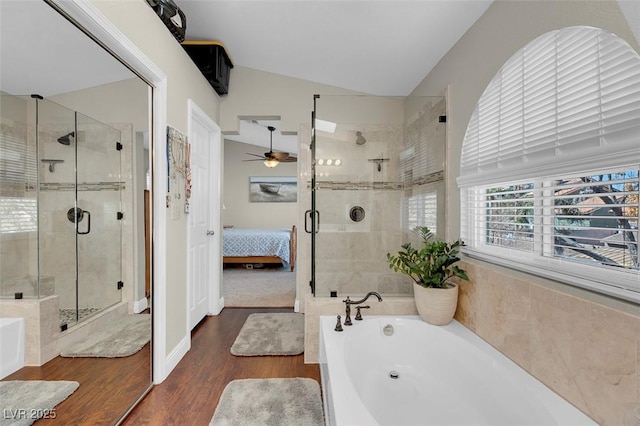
(108, 386)
(190, 394)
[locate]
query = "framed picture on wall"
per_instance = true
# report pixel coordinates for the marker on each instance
(273, 189)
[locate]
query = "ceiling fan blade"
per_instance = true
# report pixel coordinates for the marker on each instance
(279, 155)
(289, 160)
(255, 155)
(257, 159)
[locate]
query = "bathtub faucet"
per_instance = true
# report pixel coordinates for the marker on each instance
(348, 302)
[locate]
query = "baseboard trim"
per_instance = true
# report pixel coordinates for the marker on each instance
(140, 305)
(177, 354)
(217, 307)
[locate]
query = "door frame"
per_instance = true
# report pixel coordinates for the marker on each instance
(216, 301)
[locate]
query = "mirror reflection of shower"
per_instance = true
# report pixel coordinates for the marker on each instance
(379, 162)
(64, 140)
(52, 163)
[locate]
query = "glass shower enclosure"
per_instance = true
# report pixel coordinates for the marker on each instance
(60, 207)
(377, 173)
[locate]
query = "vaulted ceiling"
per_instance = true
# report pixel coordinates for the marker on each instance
(380, 47)
(383, 47)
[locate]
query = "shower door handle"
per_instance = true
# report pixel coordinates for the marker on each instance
(88, 213)
(310, 214)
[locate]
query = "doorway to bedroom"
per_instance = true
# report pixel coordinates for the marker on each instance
(259, 214)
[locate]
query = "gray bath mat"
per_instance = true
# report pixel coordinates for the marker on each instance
(123, 337)
(270, 334)
(277, 402)
(24, 401)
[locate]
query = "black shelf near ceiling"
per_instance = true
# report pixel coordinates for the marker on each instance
(213, 62)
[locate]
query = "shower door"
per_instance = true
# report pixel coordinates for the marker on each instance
(99, 216)
(377, 174)
(79, 220)
(358, 195)
(54, 129)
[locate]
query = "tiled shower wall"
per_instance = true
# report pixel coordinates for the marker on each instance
(585, 347)
(100, 190)
(381, 166)
(351, 254)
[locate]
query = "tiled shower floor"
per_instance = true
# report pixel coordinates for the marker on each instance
(68, 316)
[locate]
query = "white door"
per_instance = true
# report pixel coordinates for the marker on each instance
(203, 273)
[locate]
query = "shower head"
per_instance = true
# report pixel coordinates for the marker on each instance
(360, 140)
(64, 140)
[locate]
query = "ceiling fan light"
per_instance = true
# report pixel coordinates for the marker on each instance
(271, 162)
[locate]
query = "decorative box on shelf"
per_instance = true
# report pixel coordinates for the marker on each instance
(213, 61)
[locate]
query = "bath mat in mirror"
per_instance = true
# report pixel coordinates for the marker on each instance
(285, 402)
(270, 334)
(120, 338)
(25, 401)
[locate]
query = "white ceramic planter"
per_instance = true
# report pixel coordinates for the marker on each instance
(436, 306)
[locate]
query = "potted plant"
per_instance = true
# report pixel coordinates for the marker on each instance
(431, 267)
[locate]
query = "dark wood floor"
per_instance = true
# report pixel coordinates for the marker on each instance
(108, 386)
(190, 394)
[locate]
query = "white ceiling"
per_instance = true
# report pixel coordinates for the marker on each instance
(381, 47)
(42, 53)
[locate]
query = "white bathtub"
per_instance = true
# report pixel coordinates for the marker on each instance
(11, 345)
(445, 376)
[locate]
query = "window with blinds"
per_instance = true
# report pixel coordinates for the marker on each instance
(18, 180)
(421, 209)
(549, 168)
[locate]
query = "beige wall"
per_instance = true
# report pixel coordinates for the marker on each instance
(239, 212)
(125, 101)
(582, 345)
(184, 81)
(260, 93)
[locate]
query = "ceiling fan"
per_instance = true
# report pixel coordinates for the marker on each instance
(271, 158)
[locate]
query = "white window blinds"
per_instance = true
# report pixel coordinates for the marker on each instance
(569, 100)
(18, 180)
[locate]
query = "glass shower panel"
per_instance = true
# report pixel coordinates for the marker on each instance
(358, 194)
(99, 187)
(18, 200)
(54, 125)
(379, 168)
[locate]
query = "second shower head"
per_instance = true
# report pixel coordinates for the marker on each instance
(64, 140)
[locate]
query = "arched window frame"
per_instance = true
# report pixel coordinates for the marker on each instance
(559, 120)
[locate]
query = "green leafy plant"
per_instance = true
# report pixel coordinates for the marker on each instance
(430, 266)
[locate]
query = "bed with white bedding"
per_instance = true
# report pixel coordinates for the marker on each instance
(242, 245)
